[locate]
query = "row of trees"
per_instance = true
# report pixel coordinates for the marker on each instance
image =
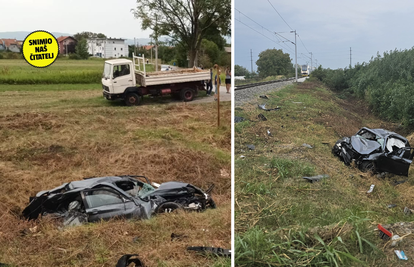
(386, 82)
(271, 62)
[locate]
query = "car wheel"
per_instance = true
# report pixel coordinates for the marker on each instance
(168, 207)
(187, 94)
(132, 99)
(367, 166)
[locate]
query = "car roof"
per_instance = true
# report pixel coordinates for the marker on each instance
(384, 133)
(92, 182)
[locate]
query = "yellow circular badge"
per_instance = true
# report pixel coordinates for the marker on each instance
(40, 49)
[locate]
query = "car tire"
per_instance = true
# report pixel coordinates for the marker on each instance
(132, 99)
(168, 207)
(187, 94)
(367, 166)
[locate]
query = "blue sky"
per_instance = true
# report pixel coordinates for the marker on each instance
(327, 28)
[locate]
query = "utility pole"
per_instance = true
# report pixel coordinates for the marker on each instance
(350, 58)
(296, 57)
(311, 63)
(251, 60)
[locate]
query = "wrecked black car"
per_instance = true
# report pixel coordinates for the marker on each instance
(376, 150)
(94, 199)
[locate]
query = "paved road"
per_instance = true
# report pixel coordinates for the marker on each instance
(223, 96)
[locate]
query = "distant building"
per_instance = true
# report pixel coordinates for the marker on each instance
(67, 45)
(107, 47)
(12, 45)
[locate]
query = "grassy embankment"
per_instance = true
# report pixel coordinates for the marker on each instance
(51, 135)
(283, 220)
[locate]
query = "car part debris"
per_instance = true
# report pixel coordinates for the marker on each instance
(384, 233)
(408, 211)
(316, 178)
(177, 236)
(264, 96)
(400, 254)
(376, 150)
(390, 206)
(395, 240)
(211, 250)
(263, 106)
(127, 259)
(251, 147)
(371, 188)
(242, 157)
(399, 182)
(238, 119)
(261, 117)
(307, 145)
(269, 133)
(102, 198)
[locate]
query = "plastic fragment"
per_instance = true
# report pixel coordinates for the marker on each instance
(307, 145)
(371, 188)
(401, 255)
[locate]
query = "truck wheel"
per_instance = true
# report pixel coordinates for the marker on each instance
(187, 94)
(132, 99)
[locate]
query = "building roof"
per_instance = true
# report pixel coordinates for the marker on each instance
(227, 49)
(62, 38)
(147, 47)
(8, 42)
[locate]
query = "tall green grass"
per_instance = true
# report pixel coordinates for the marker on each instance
(386, 82)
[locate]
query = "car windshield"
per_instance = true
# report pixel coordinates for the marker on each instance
(367, 135)
(107, 71)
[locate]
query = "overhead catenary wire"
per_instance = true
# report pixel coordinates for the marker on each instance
(280, 15)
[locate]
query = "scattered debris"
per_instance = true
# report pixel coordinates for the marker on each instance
(306, 145)
(399, 182)
(395, 240)
(400, 254)
(263, 106)
(269, 133)
(316, 178)
(384, 233)
(408, 211)
(251, 147)
(177, 236)
(242, 157)
(135, 239)
(391, 206)
(371, 188)
(88, 200)
(211, 250)
(127, 259)
(264, 96)
(261, 117)
(370, 152)
(297, 102)
(238, 119)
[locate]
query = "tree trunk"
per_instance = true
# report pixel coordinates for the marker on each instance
(192, 58)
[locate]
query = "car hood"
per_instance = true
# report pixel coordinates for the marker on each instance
(364, 146)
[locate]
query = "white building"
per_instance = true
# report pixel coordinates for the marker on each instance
(107, 47)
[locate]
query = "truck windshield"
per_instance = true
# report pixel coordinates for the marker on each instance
(107, 71)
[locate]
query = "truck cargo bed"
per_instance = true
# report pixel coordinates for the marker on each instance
(171, 76)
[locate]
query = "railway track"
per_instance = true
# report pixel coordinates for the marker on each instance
(245, 86)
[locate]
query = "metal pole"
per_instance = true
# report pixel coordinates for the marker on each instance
(296, 59)
(251, 60)
(350, 58)
(218, 96)
(311, 62)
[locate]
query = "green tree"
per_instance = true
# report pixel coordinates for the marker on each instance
(273, 62)
(187, 22)
(85, 35)
(240, 71)
(82, 49)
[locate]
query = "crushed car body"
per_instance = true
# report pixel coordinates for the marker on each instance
(376, 150)
(102, 198)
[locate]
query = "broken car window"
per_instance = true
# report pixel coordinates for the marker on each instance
(97, 198)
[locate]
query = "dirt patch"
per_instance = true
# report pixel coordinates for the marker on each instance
(30, 121)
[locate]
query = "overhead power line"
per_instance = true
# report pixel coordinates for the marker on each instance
(279, 15)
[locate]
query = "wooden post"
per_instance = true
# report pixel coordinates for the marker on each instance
(218, 96)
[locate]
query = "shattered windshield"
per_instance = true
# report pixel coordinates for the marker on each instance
(367, 135)
(107, 71)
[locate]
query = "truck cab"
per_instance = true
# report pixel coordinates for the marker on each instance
(117, 77)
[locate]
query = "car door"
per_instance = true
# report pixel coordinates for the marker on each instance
(103, 204)
(121, 78)
(393, 159)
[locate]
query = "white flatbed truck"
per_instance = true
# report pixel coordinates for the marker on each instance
(128, 80)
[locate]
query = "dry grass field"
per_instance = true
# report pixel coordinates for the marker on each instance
(55, 136)
(282, 219)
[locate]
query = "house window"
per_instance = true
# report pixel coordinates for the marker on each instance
(114, 48)
(121, 48)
